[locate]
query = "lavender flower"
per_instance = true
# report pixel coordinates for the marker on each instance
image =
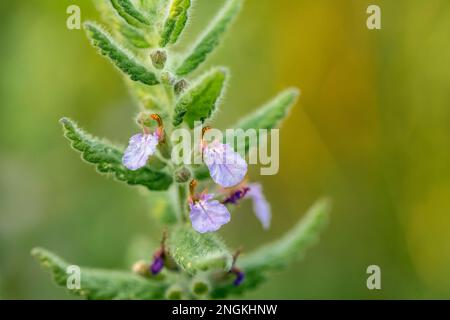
(208, 215)
(261, 206)
(140, 148)
(227, 167)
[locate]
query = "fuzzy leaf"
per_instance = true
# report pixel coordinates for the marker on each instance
(200, 100)
(270, 115)
(201, 172)
(121, 59)
(153, 8)
(108, 159)
(274, 256)
(134, 36)
(210, 39)
(127, 10)
(194, 252)
(175, 22)
(99, 284)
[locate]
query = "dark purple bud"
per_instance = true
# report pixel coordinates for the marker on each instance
(239, 277)
(157, 265)
(237, 195)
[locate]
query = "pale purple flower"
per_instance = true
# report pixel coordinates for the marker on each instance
(226, 167)
(140, 148)
(261, 206)
(208, 215)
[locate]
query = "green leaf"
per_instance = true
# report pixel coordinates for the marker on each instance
(107, 13)
(108, 159)
(200, 100)
(134, 36)
(201, 172)
(271, 114)
(99, 284)
(127, 10)
(175, 22)
(153, 8)
(193, 251)
(210, 39)
(121, 59)
(274, 256)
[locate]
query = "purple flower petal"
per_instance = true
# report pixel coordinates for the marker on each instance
(260, 205)
(208, 215)
(227, 167)
(140, 148)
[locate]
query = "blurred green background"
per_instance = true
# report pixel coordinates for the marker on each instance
(371, 131)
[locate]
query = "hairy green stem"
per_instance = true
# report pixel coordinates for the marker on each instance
(182, 199)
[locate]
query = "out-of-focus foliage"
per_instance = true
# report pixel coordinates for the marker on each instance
(276, 255)
(102, 284)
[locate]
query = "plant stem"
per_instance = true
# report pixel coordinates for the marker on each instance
(182, 201)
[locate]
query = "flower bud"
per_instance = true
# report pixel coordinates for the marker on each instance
(183, 175)
(240, 275)
(159, 58)
(236, 195)
(140, 268)
(239, 278)
(180, 86)
(200, 286)
(157, 265)
(175, 292)
(167, 78)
